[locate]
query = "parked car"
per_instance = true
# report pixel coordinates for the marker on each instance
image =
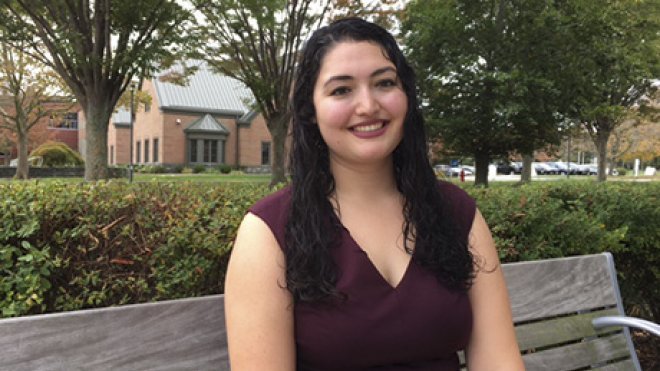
(517, 167)
(543, 168)
(560, 167)
(574, 169)
(505, 168)
(456, 171)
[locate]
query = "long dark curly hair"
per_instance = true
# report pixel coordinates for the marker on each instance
(312, 231)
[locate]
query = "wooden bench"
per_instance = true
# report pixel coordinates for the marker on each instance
(554, 304)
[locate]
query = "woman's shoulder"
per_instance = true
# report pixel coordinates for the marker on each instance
(272, 203)
(460, 204)
(455, 194)
(274, 210)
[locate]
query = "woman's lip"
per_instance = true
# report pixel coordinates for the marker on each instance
(368, 123)
(369, 134)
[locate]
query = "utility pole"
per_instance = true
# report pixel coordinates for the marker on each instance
(130, 161)
(568, 161)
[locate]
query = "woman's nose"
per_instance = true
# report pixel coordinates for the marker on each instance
(366, 103)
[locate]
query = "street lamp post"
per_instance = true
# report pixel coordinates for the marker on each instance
(130, 161)
(568, 160)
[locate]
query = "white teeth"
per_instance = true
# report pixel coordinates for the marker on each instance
(366, 128)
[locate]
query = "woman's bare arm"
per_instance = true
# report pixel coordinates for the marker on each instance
(493, 344)
(258, 310)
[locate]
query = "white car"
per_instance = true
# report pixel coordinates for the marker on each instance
(456, 171)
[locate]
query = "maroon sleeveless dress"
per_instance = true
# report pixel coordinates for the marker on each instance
(418, 325)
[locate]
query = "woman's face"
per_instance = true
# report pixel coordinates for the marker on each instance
(360, 103)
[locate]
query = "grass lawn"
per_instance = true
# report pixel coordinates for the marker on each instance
(233, 177)
(240, 177)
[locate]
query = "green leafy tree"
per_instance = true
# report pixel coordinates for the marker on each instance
(29, 93)
(482, 68)
(610, 55)
(386, 13)
(97, 47)
(256, 42)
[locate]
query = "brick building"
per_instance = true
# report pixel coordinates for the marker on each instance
(61, 126)
(207, 122)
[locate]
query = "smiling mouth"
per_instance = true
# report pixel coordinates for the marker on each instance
(368, 128)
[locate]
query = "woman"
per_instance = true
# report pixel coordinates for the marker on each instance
(365, 260)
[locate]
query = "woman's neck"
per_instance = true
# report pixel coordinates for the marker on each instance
(364, 183)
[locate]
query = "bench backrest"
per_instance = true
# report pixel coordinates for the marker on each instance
(553, 302)
(185, 334)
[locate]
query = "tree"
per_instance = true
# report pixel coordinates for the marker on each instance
(483, 70)
(29, 93)
(257, 42)
(639, 136)
(610, 57)
(97, 47)
(386, 13)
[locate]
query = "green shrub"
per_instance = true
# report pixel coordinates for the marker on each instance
(67, 247)
(547, 220)
(152, 169)
(224, 168)
(57, 154)
(622, 171)
(178, 169)
(199, 169)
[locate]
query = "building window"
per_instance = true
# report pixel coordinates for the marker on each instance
(265, 153)
(210, 150)
(193, 150)
(155, 157)
(206, 151)
(112, 155)
(146, 150)
(137, 152)
(68, 121)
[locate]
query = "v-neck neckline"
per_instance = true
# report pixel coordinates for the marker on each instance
(375, 269)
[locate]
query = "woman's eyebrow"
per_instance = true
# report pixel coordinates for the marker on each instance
(377, 72)
(383, 70)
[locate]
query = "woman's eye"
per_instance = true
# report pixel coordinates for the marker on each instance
(342, 90)
(386, 83)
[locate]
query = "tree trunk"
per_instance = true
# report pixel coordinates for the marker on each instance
(526, 172)
(97, 117)
(23, 167)
(601, 139)
(278, 130)
(481, 167)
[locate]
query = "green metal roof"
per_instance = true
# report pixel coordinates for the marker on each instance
(207, 124)
(206, 91)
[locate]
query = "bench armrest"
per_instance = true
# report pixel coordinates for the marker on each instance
(608, 321)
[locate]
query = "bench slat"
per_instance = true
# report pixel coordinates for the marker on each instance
(186, 334)
(558, 330)
(578, 355)
(558, 286)
(626, 365)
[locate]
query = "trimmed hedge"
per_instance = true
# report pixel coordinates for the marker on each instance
(555, 219)
(67, 247)
(58, 154)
